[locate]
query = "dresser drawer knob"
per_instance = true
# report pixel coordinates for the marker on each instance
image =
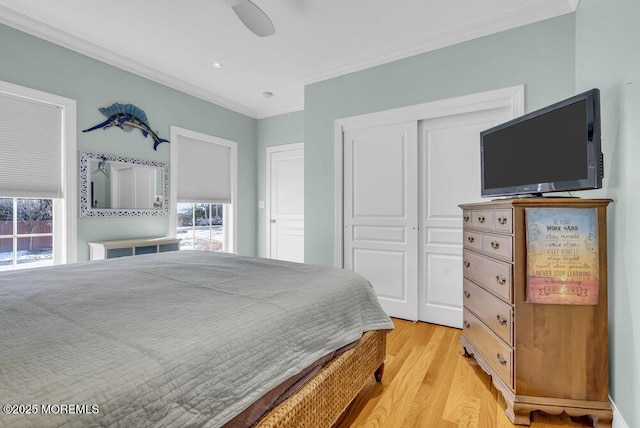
(466, 219)
(467, 294)
(467, 264)
(501, 319)
(467, 324)
(495, 245)
(501, 359)
(502, 220)
(471, 239)
(501, 279)
(481, 219)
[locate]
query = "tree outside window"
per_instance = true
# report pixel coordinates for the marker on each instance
(201, 227)
(26, 232)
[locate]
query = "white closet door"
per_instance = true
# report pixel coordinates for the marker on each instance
(381, 213)
(145, 187)
(449, 175)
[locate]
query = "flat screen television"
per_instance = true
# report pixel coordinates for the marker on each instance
(554, 149)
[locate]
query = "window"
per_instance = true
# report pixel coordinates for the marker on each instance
(37, 178)
(202, 227)
(26, 233)
(203, 191)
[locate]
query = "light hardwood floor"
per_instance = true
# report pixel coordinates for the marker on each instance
(428, 383)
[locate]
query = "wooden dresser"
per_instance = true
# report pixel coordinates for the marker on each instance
(131, 247)
(541, 356)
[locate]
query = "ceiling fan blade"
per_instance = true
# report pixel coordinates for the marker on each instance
(254, 18)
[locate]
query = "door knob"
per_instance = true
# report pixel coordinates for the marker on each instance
(273, 220)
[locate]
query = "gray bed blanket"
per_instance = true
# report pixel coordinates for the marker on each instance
(167, 340)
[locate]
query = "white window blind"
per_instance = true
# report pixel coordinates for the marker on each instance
(30, 148)
(204, 171)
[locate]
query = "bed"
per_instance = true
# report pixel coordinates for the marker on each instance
(185, 339)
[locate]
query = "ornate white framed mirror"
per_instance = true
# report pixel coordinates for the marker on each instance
(116, 186)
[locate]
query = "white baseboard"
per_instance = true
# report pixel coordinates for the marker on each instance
(618, 420)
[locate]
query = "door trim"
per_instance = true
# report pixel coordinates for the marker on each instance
(512, 97)
(267, 208)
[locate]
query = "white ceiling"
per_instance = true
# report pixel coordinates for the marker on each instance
(176, 42)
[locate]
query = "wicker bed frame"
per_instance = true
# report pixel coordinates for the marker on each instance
(321, 402)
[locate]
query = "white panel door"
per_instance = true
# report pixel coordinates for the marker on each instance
(122, 182)
(144, 187)
(286, 203)
(449, 175)
(132, 187)
(380, 213)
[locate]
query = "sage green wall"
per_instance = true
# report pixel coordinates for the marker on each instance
(539, 55)
(608, 57)
(37, 64)
(274, 131)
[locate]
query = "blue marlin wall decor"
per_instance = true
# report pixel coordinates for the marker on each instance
(127, 117)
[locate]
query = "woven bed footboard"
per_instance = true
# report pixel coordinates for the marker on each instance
(325, 397)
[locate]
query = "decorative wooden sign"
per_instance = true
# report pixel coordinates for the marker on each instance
(562, 256)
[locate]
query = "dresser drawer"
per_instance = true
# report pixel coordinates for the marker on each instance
(491, 274)
(503, 220)
(472, 239)
(500, 220)
(495, 313)
(497, 353)
(466, 218)
(497, 246)
(482, 219)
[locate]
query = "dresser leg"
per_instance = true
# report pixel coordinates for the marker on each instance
(519, 415)
(378, 373)
(602, 421)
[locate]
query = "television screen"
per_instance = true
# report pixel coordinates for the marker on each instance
(552, 149)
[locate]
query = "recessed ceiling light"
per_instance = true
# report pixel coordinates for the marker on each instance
(216, 65)
(267, 94)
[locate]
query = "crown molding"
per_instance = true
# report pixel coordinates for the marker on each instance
(48, 33)
(262, 114)
(539, 11)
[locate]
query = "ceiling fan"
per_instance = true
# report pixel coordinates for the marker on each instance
(253, 17)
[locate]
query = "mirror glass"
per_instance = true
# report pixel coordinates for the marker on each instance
(117, 186)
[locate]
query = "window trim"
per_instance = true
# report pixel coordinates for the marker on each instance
(231, 210)
(65, 241)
